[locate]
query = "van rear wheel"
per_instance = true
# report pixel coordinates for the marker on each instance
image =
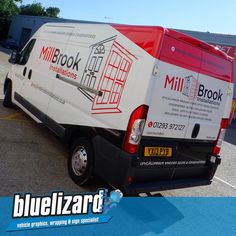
(80, 163)
(7, 100)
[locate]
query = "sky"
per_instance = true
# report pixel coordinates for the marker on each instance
(215, 16)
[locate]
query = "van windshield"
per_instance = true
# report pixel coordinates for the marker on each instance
(25, 54)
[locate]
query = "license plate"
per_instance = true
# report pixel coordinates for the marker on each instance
(158, 151)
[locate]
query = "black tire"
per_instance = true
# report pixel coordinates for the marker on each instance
(7, 100)
(80, 162)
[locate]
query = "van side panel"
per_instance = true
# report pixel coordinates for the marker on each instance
(94, 74)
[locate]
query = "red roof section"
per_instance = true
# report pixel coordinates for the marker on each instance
(196, 42)
(157, 42)
(147, 37)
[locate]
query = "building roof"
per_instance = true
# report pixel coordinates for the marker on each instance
(215, 38)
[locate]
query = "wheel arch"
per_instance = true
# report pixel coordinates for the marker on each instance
(6, 82)
(87, 132)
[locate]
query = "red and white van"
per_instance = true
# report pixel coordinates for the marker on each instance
(145, 108)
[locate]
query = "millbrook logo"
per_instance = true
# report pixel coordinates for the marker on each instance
(54, 55)
(190, 87)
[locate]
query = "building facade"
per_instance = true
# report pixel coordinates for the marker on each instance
(23, 27)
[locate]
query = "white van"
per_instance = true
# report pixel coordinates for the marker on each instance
(145, 108)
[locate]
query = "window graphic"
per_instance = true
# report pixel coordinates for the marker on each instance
(106, 71)
(113, 80)
(191, 86)
(93, 66)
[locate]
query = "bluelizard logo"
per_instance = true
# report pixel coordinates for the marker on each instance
(112, 201)
(31, 212)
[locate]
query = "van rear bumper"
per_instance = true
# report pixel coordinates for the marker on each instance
(123, 171)
(165, 185)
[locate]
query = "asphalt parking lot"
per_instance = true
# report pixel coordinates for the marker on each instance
(33, 159)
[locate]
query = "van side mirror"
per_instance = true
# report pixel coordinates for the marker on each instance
(14, 57)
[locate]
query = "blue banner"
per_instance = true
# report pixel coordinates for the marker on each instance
(133, 216)
(52, 222)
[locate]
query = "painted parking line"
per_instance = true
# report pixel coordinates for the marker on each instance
(13, 117)
(3, 68)
(142, 195)
(19, 120)
(158, 194)
(225, 182)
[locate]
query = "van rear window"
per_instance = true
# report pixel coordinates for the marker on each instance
(215, 66)
(180, 54)
(196, 59)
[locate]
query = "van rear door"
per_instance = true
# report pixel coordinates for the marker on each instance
(205, 117)
(211, 97)
(173, 89)
(186, 107)
(170, 105)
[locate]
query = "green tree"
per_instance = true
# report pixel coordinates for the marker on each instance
(8, 8)
(52, 11)
(36, 9)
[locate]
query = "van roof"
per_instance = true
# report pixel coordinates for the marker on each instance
(197, 43)
(172, 33)
(179, 36)
(150, 38)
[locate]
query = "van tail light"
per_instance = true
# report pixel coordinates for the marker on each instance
(217, 145)
(135, 129)
(233, 110)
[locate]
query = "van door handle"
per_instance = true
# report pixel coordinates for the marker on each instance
(196, 130)
(24, 71)
(30, 74)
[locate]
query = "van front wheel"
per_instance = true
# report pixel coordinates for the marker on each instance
(80, 163)
(7, 100)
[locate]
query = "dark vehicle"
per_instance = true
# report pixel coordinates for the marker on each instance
(10, 44)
